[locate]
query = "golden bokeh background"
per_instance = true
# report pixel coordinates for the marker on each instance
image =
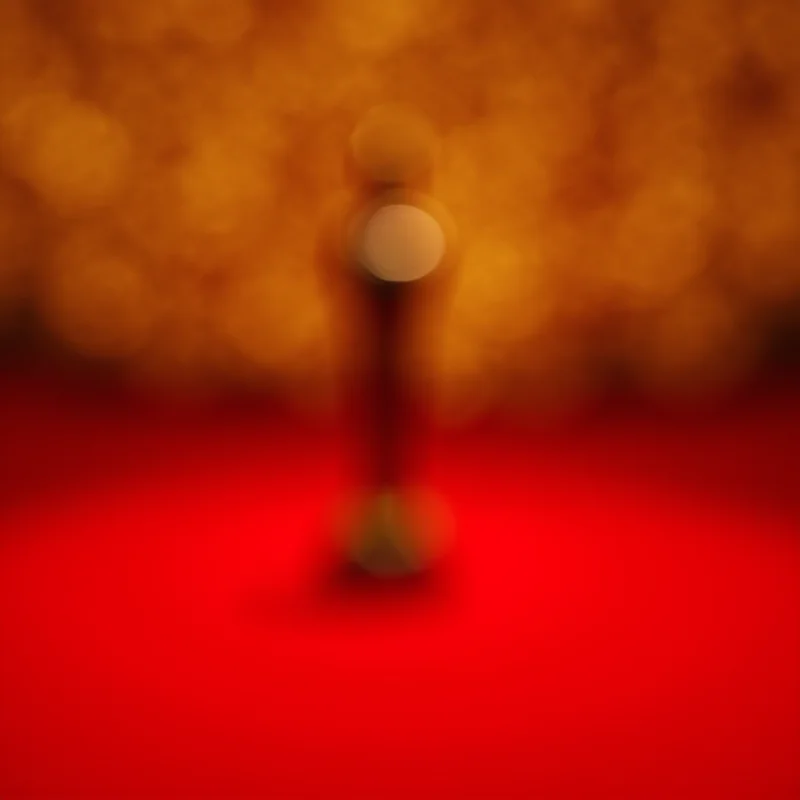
(624, 175)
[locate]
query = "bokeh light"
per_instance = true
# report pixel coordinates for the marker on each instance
(96, 299)
(624, 178)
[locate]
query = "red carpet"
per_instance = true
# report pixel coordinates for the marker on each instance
(620, 616)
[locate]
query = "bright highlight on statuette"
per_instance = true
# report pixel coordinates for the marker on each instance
(401, 243)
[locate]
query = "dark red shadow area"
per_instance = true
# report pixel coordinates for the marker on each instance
(619, 615)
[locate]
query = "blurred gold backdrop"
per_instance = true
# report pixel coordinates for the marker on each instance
(625, 176)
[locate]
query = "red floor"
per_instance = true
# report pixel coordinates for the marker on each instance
(620, 616)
